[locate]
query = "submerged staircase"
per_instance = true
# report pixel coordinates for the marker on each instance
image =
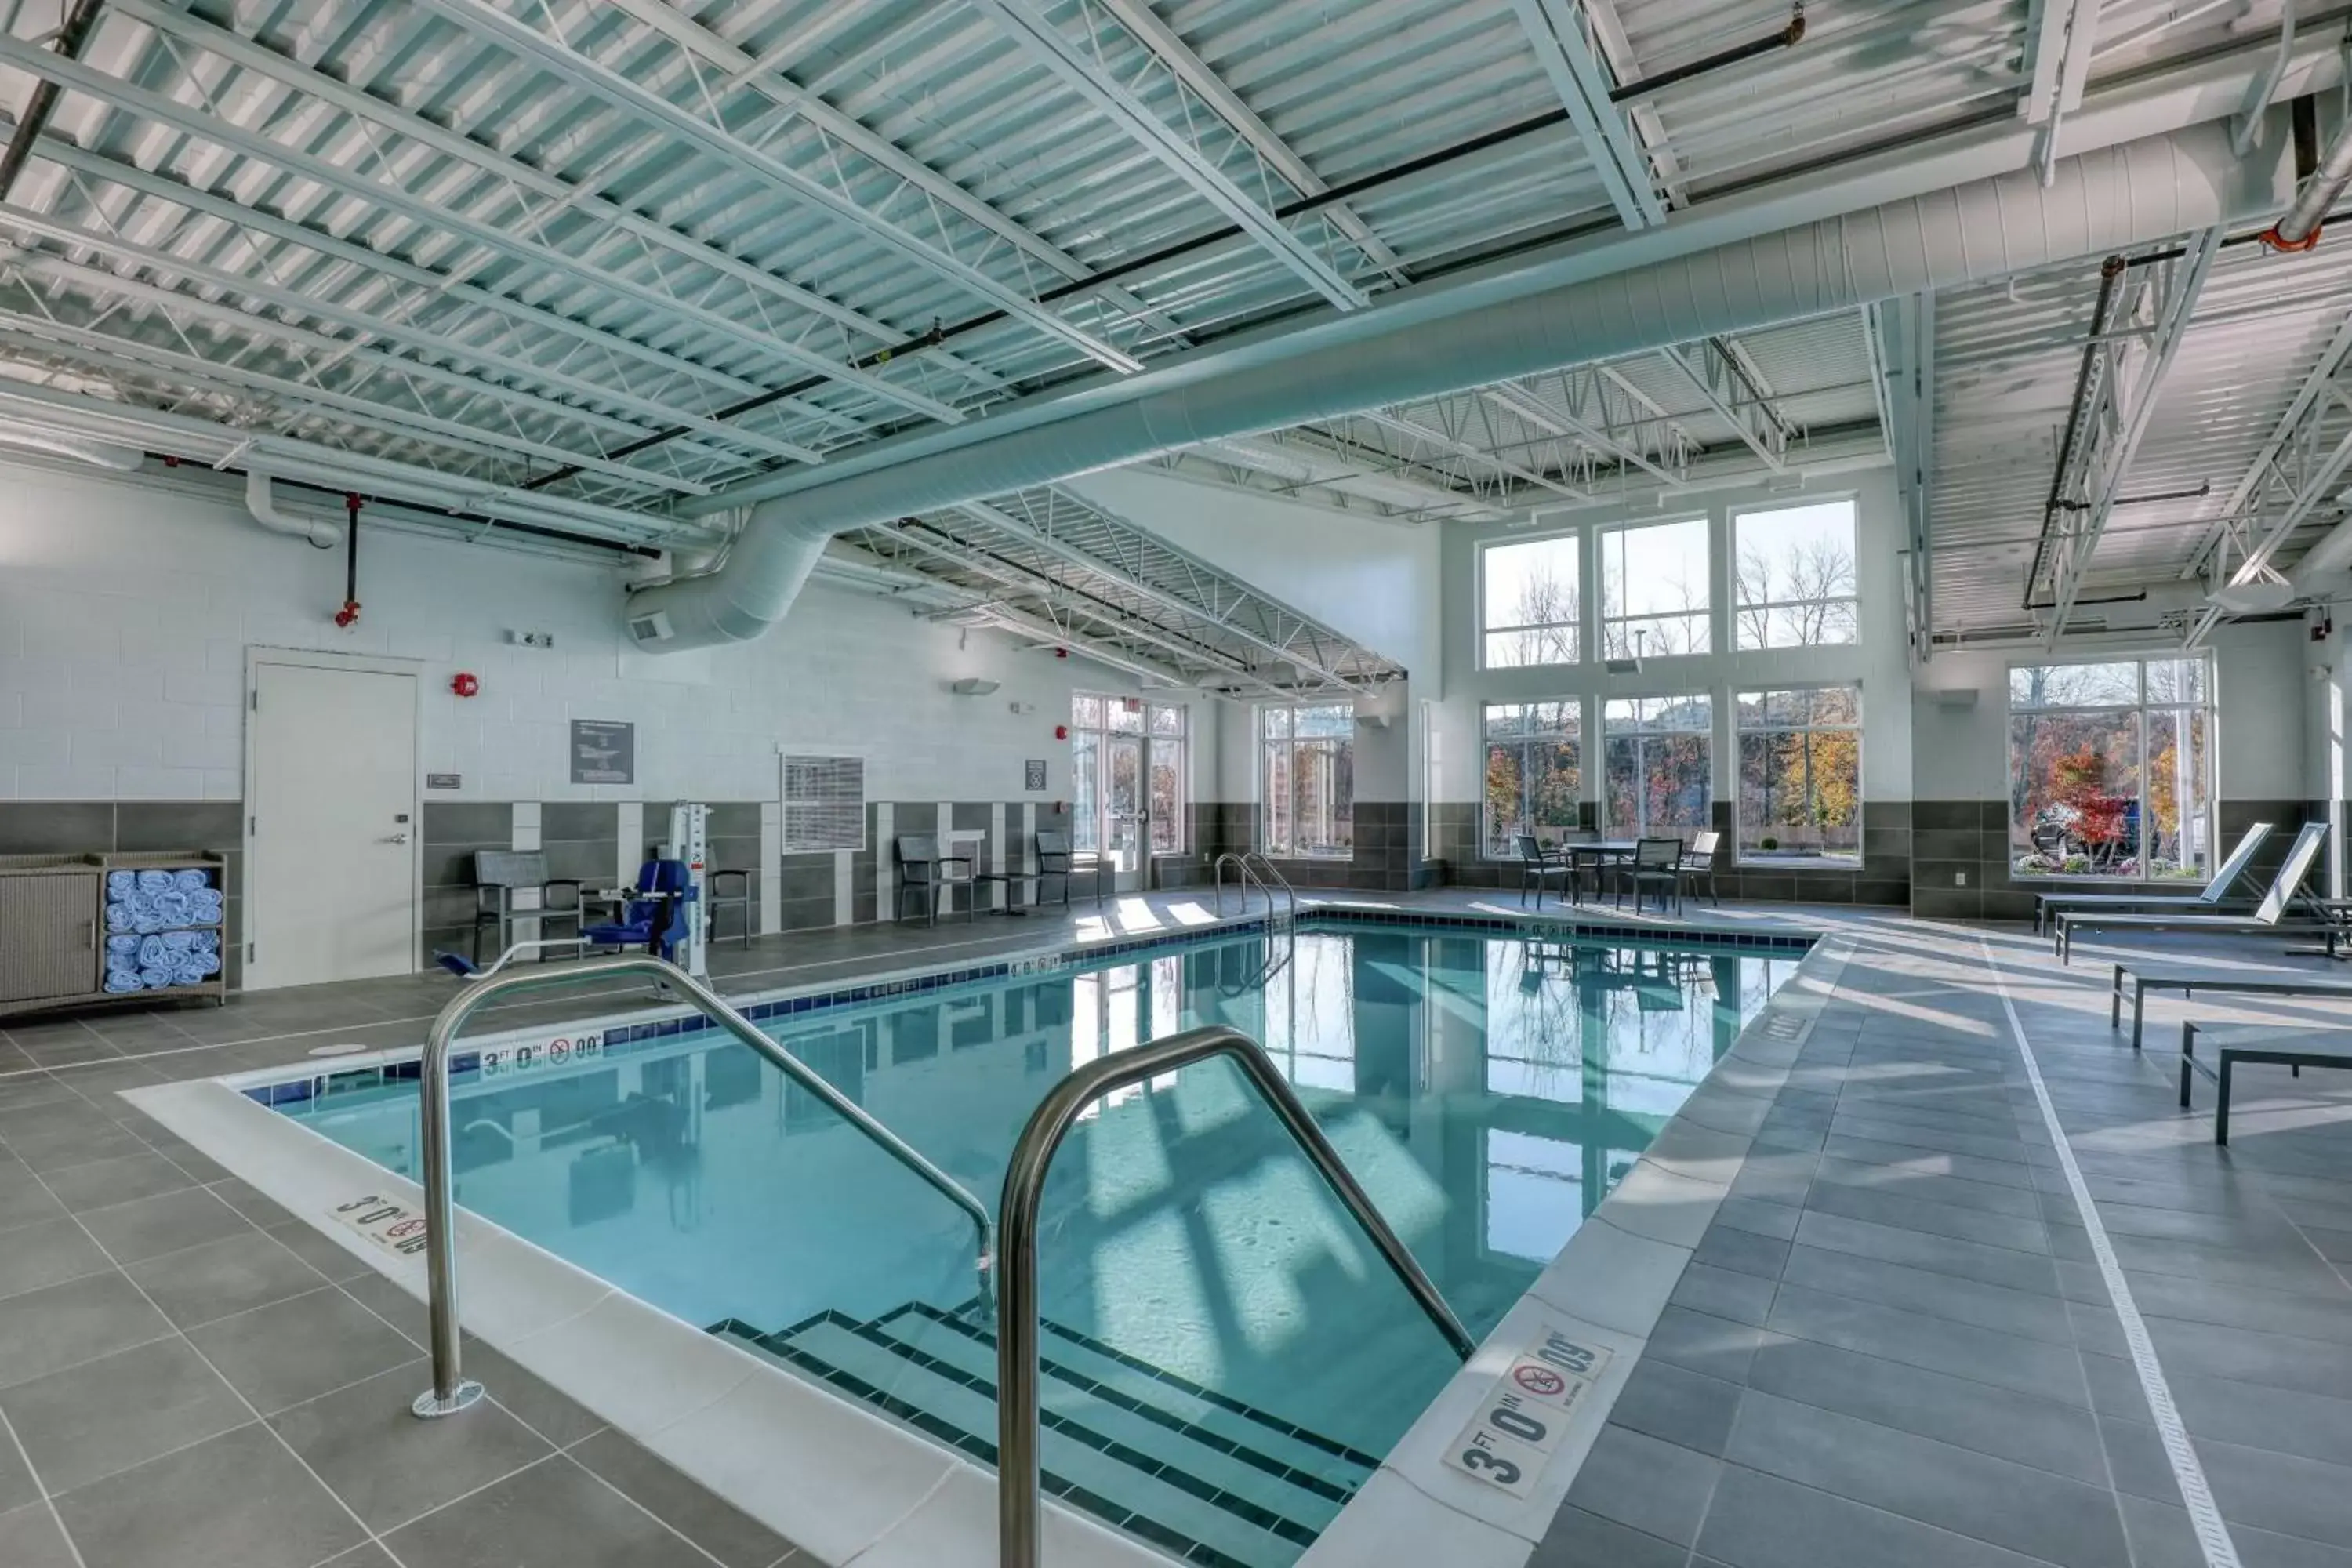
(1204, 1476)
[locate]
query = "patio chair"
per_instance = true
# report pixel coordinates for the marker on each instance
(923, 871)
(1536, 864)
(1657, 863)
(1699, 862)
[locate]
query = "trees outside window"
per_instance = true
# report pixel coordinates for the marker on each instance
(1531, 604)
(1534, 769)
(1657, 778)
(1793, 575)
(2110, 769)
(1308, 780)
(1800, 773)
(1654, 598)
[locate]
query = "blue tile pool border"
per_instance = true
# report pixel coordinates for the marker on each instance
(595, 1038)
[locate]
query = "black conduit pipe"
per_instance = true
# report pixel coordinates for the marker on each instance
(44, 102)
(1787, 38)
(348, 617)
(2111, 273)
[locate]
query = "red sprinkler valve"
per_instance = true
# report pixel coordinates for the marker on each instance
(349, 616)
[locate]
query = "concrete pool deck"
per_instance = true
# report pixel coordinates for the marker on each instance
(1893, 1341)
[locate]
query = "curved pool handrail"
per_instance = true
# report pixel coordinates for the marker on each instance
(450, 1391)
(1019, 1504)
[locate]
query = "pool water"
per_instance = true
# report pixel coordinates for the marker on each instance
(1200, 1285)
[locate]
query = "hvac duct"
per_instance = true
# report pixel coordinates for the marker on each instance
(264, 508)
(1427, 346)
(88, 449)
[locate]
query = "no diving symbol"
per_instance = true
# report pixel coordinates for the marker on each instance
(1539, 1380)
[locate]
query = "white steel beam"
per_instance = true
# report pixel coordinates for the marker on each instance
(830, 125)
(2173, 300)
(1086, 69)
(1555, 29)
(2243, 495)
(2060, 35)
(219, 130)
(602, 82)
(1902, 335)
(1713, 366)
(1594, 424)
(1139, 19)
(1413, 429)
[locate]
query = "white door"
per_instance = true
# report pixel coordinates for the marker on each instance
(331, 878)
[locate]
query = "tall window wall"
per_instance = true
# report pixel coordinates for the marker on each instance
(1800, 773)
(1769, 592)
(1307, 780)
(1656, 598)
(2110, 772)
(1128, 765)
(1660, 776)
(1534, 769)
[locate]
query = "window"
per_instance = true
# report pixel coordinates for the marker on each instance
(1655, 601)
(1307, 780)
(1127, 758)
(1800, 773)
(1530, 602)
(1534, 769)
(1793, 571)
(2110, 769)
(1657, 771)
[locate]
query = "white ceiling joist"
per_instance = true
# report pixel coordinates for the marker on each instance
(1087, 70)
(1555, 29)
(600, 80)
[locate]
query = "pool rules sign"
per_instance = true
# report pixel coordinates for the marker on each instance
(1524, 1416)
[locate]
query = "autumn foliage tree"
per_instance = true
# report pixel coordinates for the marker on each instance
(2100, 814)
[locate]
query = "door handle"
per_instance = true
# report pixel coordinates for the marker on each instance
(395, 838)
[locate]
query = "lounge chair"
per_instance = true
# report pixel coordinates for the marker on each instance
(2263, 922)
(2209, 901)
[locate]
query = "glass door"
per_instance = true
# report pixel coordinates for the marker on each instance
(1127, 807)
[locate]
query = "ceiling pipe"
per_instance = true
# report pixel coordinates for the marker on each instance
(2111, 275)
(70, 37)
(2299, 229)
(1663, 289)
(88, 449)
(264, 508)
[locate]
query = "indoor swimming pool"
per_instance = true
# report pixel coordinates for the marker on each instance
(1225, 1356)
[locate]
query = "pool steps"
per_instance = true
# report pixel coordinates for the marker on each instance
(1203, 1477)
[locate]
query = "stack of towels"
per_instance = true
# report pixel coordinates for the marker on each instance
(149, 946)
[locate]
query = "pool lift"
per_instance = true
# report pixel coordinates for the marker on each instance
(689, 843)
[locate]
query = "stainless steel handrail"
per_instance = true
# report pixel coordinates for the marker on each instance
(451, 1392)
(1240, 862)
(1274, 872)
(1019, 1506)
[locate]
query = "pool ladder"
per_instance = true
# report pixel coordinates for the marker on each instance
(1277, 956)
(451, 1392)
(1020, 1500)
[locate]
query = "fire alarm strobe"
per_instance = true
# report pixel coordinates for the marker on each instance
(465, 684)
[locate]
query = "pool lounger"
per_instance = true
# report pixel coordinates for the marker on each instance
(2188, 980)
(2264, 921)
(2296, 1049)
(2214, 895)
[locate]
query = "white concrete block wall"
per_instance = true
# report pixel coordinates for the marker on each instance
(126, 610)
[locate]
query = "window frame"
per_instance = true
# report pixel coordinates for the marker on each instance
(1291, 740)
(1739, 851)
(1487, 842)
(1642, 826)
(1574, 540)
(2142, 710)
(1737, 607)
(1604, 618)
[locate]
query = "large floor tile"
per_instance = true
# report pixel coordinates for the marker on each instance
(239, 1500)
(197, 1284)
(42, 1331)
(298, 1348)
(134, 1232)
(733, 1537)
(105, 1182)
(48, 1252)
(553, 1515)
(390, 1466)
(29, 1537)
(104, 1415)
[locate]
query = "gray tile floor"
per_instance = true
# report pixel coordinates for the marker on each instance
(1892, 1347)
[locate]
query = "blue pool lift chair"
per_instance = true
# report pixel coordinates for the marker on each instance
(653, 914)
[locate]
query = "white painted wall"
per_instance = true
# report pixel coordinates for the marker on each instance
(125, 612)
(1878, 661)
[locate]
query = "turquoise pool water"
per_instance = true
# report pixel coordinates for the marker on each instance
(1489, 1093)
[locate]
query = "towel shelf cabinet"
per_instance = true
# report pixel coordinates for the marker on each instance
(53, 930)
